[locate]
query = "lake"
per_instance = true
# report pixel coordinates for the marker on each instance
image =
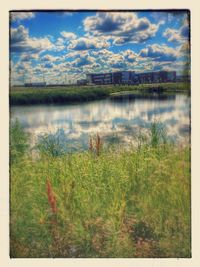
(115, 120)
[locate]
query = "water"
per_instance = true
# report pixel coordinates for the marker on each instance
(117, 121)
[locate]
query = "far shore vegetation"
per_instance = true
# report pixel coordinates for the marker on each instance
(104, 202)
(77, 94)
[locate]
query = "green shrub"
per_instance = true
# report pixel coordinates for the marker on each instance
(53, 144)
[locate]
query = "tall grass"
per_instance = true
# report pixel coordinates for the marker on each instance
(111, 203)
(18, 142)
(158, 134)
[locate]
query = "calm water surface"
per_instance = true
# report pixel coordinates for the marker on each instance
(115, 120)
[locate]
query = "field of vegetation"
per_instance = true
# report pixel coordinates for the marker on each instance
(104, 202)
(74, 94)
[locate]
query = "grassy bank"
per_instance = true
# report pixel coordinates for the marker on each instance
(26, 96)
(101, 202)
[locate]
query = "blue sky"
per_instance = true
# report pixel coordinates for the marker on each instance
(63, 46)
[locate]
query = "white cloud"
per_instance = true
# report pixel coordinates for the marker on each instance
(73, 54)
(60, 44)
(21, 67)
(172, 35)
(49, 58)
(129, 55)
(178, 35)
(68, 35)
(20, 41)
(84, 43)
(103, 53)
(121, 27)
(83, 60)
(160, 53)
(117, 61)
(18, 34)
(17, 16)
(28, 57)
(184, 49)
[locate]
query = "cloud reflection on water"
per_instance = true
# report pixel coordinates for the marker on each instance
(111, 119)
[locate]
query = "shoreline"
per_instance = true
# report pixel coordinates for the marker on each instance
(78, 94)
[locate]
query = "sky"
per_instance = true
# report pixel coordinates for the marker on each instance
(62, 46)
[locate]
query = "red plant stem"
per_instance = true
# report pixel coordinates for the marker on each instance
(51, 197)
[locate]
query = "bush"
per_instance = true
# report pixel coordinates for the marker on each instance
(53, 144)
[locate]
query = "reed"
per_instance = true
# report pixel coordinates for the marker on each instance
(95, 145)
(91, 146)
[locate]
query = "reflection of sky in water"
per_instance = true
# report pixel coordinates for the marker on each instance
(111, 119)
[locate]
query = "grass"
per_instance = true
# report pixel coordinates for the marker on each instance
(74, 94)
(104, 202)
(18, 142)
